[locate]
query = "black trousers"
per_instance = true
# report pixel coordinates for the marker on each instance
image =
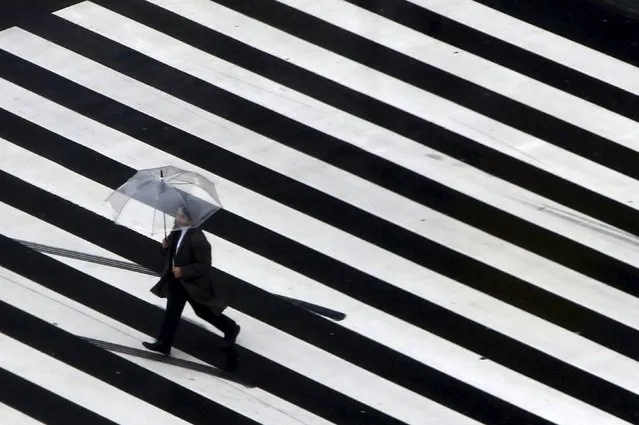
(176, 300)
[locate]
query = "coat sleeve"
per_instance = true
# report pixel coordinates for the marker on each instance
(201, 260)
(165, 251)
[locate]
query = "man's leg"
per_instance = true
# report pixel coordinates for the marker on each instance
(220, 321)
(176, 299)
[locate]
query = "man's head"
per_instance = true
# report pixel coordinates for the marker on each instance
(183, 218)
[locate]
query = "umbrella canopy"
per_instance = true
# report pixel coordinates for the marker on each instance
(144, 200)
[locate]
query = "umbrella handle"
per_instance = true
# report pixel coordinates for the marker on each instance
(163, 214)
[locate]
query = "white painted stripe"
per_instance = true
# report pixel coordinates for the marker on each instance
(74, 385)
(425, 227)
(247, 144)
(367, 321)
(442, 112)
(405, 274)
(307, 110)
(250, 205)
(14, 417)
(537, 40)
(73, 317)
(475, 69)
(299, 356)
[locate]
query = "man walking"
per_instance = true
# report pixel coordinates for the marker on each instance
(187, 277)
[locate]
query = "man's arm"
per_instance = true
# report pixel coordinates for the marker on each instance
(165, 246)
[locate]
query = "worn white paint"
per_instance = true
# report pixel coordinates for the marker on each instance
(73, 384)
(365, 135)
(80, 320)
(346, 378)
(272, 344)
(537, 40)
(475, 69)
(352, 251)
(403, 96)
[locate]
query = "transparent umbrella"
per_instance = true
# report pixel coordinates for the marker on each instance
(144, 200)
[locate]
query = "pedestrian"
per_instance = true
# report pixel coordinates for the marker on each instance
(187, 277)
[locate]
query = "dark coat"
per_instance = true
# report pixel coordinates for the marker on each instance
(194, 258)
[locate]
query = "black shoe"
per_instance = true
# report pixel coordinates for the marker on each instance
(229, 339)
(158, 346)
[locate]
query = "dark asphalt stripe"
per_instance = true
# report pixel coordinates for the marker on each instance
(96, 362)
(250, 300)
(317, 331)
(276, 186)
(592, 23)
(505, 54)
(335, 339)
(15, 13)
(300, 258)
(41, 404)
(226, 225)
(146, 318)
(394, 64)
(356, 161)
(407, 125)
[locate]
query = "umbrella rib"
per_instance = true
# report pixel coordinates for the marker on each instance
(117, 214)
(147, 180)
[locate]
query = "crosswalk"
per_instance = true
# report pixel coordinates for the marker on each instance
(457, 177)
